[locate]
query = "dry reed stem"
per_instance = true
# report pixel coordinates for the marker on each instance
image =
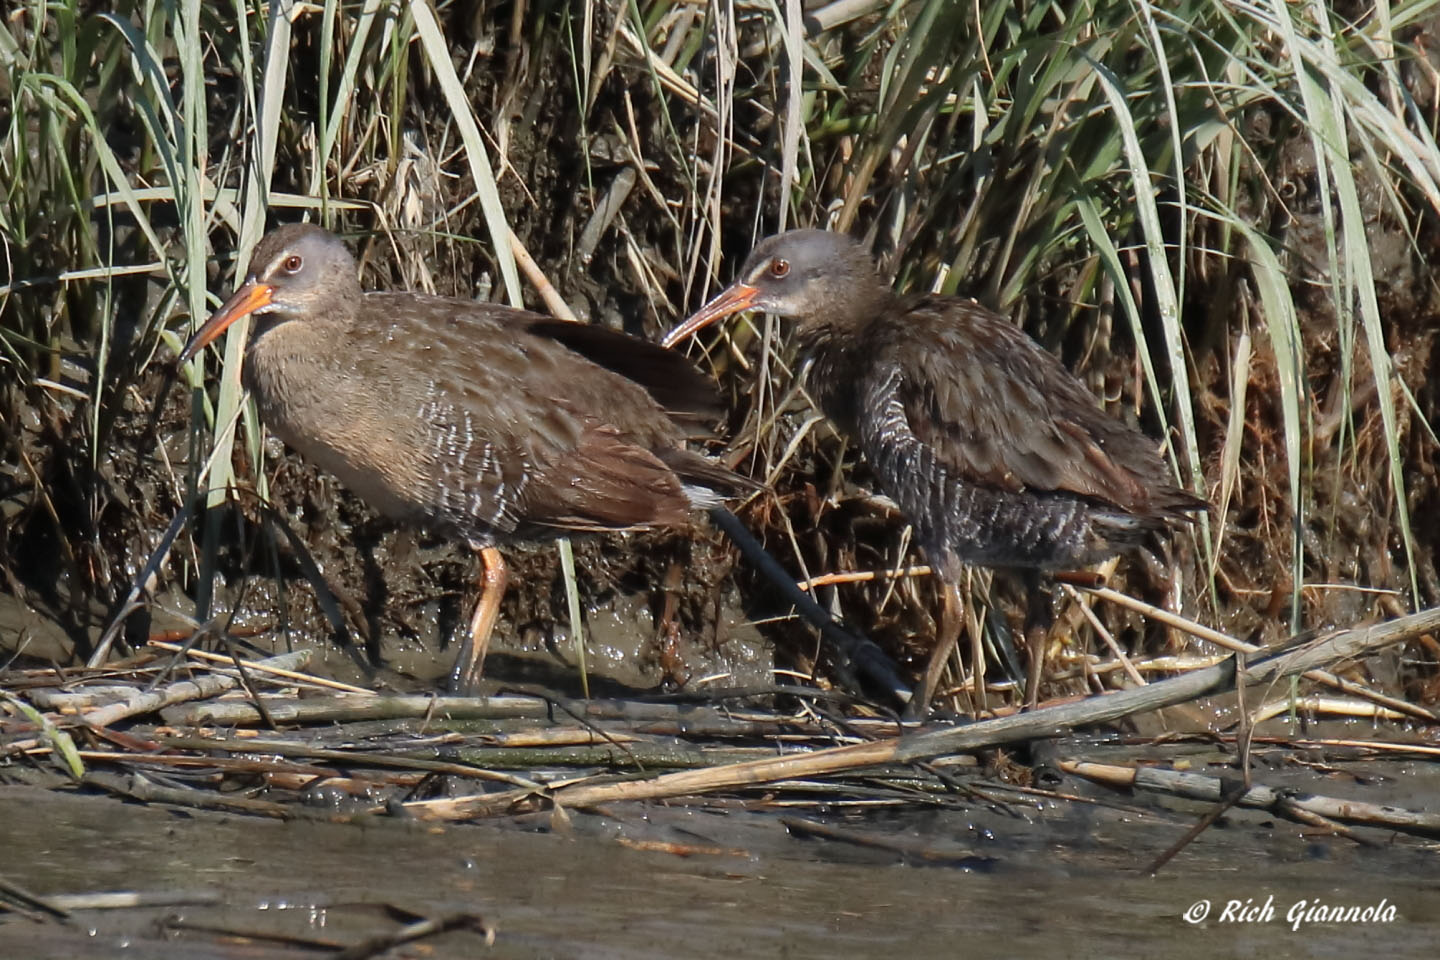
(181, 691)
(1046, 722)
(1314, 705)
(553, 301)
(1210, 789)
(1428, 751)
(261, 666)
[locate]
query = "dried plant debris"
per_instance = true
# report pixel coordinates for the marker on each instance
(286, 744)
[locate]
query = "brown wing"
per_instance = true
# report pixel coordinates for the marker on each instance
(606, 482)
(670, 379)
(520, 431)
(999, 410)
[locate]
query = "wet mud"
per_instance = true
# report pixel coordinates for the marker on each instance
(1029, 876)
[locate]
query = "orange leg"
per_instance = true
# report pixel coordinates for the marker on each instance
(946, 636)
(1035, 640)
(1039, 614)
(471, 660)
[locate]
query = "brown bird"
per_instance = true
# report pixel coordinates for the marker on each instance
(992, 449)
(476, 420)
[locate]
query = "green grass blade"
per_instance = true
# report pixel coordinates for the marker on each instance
(432, 40)
(572, 602)
(1166, 301)
(60, 741)
(1325, 105)
(1283, 324)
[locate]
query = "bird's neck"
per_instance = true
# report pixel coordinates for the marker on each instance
(286, 350)
(839, 322)
(288, 332)
(838, 341)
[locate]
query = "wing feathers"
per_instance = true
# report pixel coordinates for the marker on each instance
(997, 409)
(522, 422)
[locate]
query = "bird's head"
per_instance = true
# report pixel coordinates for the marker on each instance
(811, 275)
(297, 271)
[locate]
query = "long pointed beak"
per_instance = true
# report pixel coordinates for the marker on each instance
(251, 296)
(733, 299)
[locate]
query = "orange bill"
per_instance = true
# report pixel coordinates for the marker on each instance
(733, 299)
(251, 296)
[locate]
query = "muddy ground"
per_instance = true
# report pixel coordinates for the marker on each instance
(986, 879)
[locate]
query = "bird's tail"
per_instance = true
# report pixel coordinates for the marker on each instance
(708, 483)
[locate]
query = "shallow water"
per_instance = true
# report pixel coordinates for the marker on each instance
(1058, 878)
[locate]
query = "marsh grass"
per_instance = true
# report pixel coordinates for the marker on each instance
(1217, 213)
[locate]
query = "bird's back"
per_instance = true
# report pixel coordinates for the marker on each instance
(479, 418)
(994, 451)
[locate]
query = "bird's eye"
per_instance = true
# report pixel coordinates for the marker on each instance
(292, 263)
(779, 268)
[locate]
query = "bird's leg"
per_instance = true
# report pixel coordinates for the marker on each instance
(1039, 614)
(471, 659)
(946, 636)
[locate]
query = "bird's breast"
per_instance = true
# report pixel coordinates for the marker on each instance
(834, 382)
(358, 429)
